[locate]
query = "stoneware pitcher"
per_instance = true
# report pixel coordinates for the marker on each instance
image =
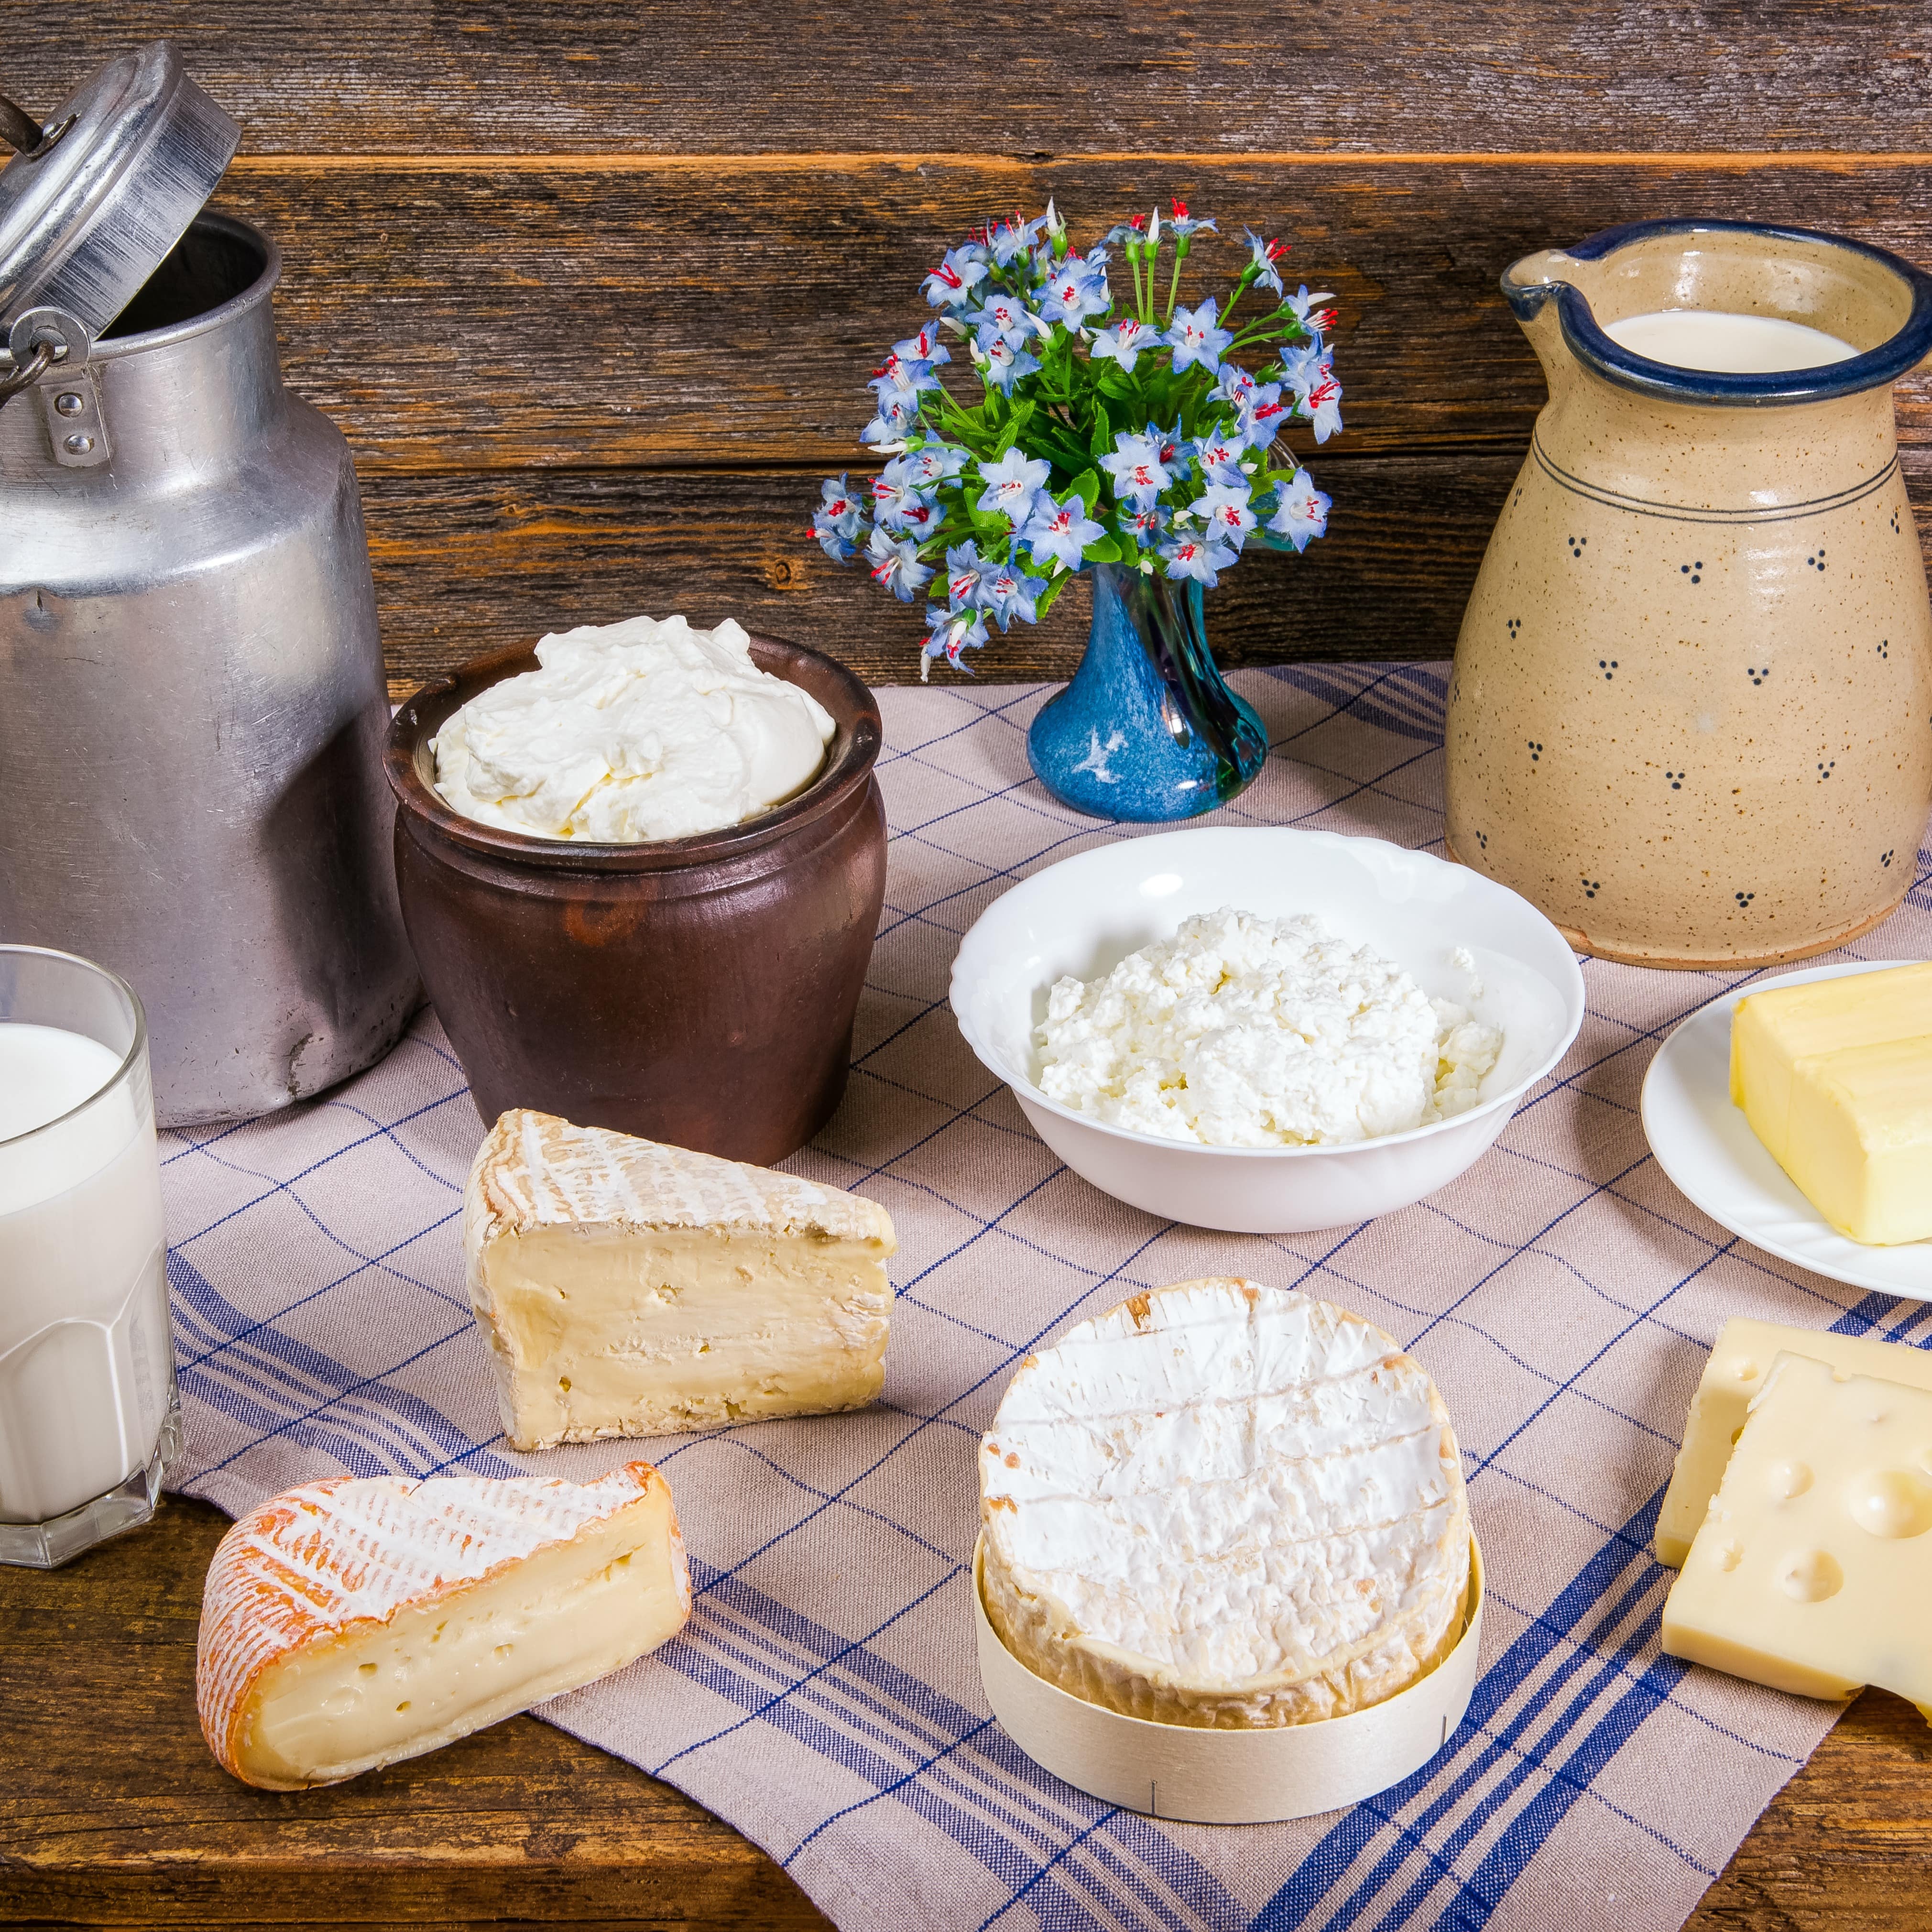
(1691, 713)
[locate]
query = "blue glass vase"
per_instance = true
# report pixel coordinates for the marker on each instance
(1147, 730)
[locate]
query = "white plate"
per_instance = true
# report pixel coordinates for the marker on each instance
(1707, 1147)
(1087, 913)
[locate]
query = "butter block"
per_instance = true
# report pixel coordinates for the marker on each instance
(627, 1288)
(1735, 1373)
(1835, 1078)
(1813, 1570)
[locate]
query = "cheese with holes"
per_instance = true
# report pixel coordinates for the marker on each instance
(630, 1288)
(1225, 1505)
(356, 1620)
(1835, 1078)
(1734, 1375)
(1812, 1571)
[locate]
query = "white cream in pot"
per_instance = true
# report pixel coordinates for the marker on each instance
(644, 730)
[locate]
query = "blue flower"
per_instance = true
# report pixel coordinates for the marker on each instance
(1124, 341)
(1005, 365)
(925, 347)
(1235, 384)
(838, 519)
(899, 504)
(1074, 292)
(1186, 225)
(1322, 405)
(896, 565)
(1176, 453)
(1299, 303)
(1138, 474)
(1300, 511)
(1144, 524)
(1197, 337)
(898, 410)
(1013, 481)
(897, 376)
(1196, 557)
(966, 574)
(933, 462)
(952, 283)
(1264, 418)
(1264, 255)
(952, 630)
(1224, 508)
(1219, 458)
(1059, 534)
(1003, 318)
(1014, 238)
(1010, 593)
(1130, 230)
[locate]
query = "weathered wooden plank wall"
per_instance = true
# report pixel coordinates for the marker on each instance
(593, 289)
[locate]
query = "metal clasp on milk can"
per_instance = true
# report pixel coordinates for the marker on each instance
(192, 703)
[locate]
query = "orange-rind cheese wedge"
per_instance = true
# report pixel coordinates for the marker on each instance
(356, 1620)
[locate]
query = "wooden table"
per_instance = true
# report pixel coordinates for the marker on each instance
(111, 1811)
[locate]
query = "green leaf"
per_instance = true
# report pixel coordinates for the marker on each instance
(1106, 550)
(1044, 602)
(1101, 442)
(1087, 487)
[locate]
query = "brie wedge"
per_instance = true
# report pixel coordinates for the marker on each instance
(356, 1620)
(1225, 1505)
(631, 1288)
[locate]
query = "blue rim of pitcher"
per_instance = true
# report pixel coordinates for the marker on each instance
(1898, 355)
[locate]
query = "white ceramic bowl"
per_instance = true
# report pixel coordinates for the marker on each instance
(1086, 914)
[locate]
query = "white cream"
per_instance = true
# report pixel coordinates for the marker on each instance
(640, 730)
(1726, 344)
(1247, 1032)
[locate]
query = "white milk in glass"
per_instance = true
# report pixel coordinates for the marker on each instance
(1727, 344)
(85, 1349)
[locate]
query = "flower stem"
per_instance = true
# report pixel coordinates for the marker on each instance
(1173, 286)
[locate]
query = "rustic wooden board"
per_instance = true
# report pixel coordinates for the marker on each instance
(112, 1812)
(575, 314)
(787, 75)
(465, 564)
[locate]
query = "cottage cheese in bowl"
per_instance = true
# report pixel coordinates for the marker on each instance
(629, 732)
(1241, 1031)
(1351, 1040)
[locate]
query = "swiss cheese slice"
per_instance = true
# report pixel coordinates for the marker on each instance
(1812, 1571)
(356, 1620)
(627, 1288)
(1225, 1505)
(1735, 1374)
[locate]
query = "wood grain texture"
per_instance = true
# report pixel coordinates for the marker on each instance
(429, 76)
(579, 316)
(112, 1812)
(467, 564)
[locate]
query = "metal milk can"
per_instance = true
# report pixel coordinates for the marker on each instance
(192, 702)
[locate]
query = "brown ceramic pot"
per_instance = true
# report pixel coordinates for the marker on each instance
(698, 991)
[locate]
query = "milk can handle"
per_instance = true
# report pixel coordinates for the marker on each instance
(18, 129)
(29, 372)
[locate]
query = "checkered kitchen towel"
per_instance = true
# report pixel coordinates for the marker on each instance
(825, 1696)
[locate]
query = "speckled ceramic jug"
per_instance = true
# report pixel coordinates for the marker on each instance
(1691, 715)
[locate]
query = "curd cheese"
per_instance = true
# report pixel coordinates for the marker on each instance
(1247, 1032)
(640, 730)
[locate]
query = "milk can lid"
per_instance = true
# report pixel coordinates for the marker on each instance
(100, 192)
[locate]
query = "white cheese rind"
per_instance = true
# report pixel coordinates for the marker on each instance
(1222, 1505)
(627, 1288)
(355, 1622)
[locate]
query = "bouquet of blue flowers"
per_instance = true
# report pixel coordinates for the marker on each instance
(1100, 437)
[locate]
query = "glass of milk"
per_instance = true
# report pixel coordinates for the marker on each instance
(89, 1418)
